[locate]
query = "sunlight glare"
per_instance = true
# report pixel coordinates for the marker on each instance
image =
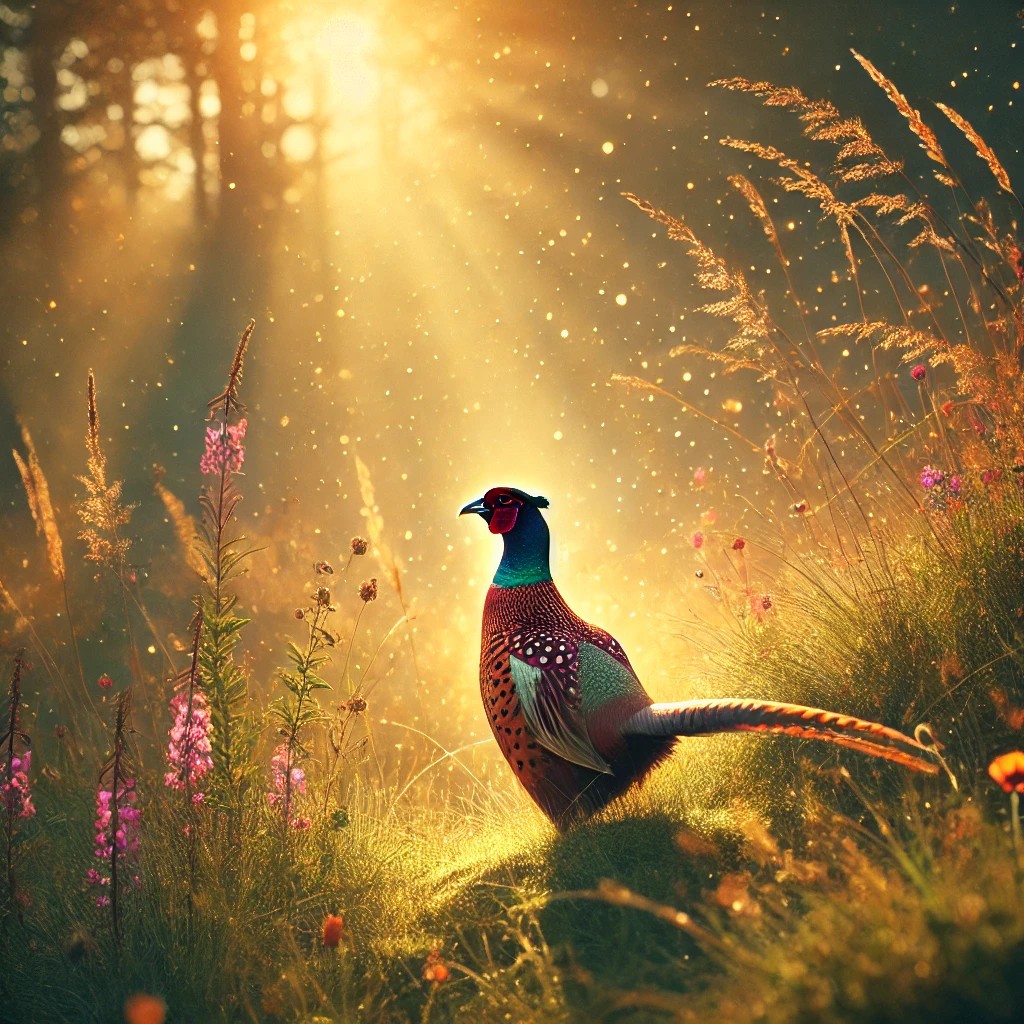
(348, 46)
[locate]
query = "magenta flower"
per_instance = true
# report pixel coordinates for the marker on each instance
(283, 795)
(700, 475)
(121, 843)
(189, 752)
(918, 372)
(15, 788)
(931, 477)
(954, 484)
(224, 451)
(698, 540)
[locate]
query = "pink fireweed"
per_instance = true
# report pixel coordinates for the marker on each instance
(122, 842)
(188, 749)
(282, 794)
(14, 786)
(224, 449)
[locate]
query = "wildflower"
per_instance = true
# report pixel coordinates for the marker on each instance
(224, 451)
(333, 927)
(368, 590)
(104, 681)
(359, 546)
(189, 750)
(1017, 259)
(698, 540)
(299, 613)
(710, 517)
(1007, 771)
(918, 372)
(322, 597)
(144, 1009)
(947, 408)
(435, 969)
(954, 484)
(990, 476)
(14, 789)
(289, 781)
(121, 843)
(323, 569)
(700, 474)
(931, 477)
(739, 544)
(800, 507)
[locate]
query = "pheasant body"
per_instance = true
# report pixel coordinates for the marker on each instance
(531, 625)
(570, 715)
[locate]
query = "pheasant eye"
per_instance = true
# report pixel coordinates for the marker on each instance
(504, 499)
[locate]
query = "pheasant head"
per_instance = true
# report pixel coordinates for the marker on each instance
(515, 515)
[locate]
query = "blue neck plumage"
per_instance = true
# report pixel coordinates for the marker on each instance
(525, 559)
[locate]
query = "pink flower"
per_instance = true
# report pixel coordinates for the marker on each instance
(224, 451)
(288, 782)
(189, 751)
(104, 681)
(700, 474)
(918, 372)
(698, 540)
(739, 544)
(122, 842)
(15, 791)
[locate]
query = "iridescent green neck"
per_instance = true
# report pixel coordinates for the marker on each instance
(525, 559)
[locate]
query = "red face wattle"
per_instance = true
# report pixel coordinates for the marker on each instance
(504, 510)
(503, 519)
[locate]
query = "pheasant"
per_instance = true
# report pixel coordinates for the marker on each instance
(571, 717)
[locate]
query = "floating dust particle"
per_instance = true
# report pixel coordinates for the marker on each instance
(607, 147)
(732, 405)
(284, 421)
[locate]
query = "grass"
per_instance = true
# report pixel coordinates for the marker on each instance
(747, 880)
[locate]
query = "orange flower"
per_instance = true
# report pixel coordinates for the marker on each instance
(144, 1009)
(334, 926)
(1007, 770)
(435, 969)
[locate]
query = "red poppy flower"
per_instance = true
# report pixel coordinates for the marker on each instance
(334, 926)
(1007, 770)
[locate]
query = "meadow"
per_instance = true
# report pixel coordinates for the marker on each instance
(191, 851)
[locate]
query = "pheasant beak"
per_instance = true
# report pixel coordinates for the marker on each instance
(477, 506)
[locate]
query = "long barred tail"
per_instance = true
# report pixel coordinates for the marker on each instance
(700, 717)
